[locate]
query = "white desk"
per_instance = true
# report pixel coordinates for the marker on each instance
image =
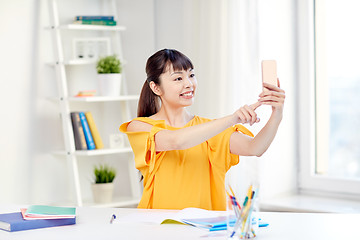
(93, 223)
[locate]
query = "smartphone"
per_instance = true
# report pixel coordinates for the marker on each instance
(269, 74)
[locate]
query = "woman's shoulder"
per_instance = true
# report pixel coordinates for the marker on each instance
(140, 124)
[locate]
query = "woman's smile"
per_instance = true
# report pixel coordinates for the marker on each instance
(187, 95)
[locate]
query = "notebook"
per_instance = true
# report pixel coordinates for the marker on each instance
(14, 222)
(50, 211)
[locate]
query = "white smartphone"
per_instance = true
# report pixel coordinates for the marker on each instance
(269, 72)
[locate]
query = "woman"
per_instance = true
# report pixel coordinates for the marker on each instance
(184, 158)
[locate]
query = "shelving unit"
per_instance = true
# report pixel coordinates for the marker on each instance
(66, 102)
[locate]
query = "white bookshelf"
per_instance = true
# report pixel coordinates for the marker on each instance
(61, 64)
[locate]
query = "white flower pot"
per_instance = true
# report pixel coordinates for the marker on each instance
(109, 84)
(102, 192)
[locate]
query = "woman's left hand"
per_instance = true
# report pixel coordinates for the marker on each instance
(273, 96)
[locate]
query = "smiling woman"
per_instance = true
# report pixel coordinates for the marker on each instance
(149, 101)
(182, 157)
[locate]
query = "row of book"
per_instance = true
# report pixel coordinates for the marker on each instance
(95, 20)
(86, 134)
(37, 216)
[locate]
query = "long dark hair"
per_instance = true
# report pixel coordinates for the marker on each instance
(149, 102)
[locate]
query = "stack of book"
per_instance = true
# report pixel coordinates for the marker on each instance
(86, 134)
(37, 216)
(95, 20)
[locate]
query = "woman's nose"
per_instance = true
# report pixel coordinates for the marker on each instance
(188, 82)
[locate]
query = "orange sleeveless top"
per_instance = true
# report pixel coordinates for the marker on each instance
(178, 179)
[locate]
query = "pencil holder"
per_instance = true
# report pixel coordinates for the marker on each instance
(242, 218)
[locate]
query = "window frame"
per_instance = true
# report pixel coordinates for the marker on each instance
(309, 70)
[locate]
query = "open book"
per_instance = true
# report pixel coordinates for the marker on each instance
(200, 218)
(205, 219)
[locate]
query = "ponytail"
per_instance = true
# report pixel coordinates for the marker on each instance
(148, 102)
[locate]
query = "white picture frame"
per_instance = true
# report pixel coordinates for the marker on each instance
(90, 48)
(117, 140)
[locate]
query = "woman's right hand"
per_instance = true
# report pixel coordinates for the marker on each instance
(247, 114)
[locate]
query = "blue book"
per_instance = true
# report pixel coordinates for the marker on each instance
(99, 17)
(88, 137)
(217, 223)
(213, 224)
(14, 222)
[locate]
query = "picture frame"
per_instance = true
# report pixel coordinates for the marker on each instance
(90, 48)
(117, 140)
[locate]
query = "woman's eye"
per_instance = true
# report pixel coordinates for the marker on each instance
(192, 75)
(178, 79)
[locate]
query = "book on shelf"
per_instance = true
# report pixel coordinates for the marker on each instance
(49, 217)
(79, 136)
(94, 17)
(94, 131)
(86, 93)
(88, 137)
(96, 22)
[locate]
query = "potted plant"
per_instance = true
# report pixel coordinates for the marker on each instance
(103, 185)
(109, 70)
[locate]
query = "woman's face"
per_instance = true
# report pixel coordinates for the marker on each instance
(177, 87)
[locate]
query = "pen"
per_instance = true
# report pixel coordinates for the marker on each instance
(245, 213)
(232, 191)
(248, 221)
(236, 206)
(240, 218)
(113, 217)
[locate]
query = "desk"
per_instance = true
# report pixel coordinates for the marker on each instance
(93, 223)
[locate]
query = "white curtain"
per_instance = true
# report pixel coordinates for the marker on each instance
(223, 43)
(226, 40)
(221, 38)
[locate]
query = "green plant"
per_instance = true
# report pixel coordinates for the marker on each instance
(109, 64)
(104, 174)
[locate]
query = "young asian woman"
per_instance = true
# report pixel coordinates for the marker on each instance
(183, 157)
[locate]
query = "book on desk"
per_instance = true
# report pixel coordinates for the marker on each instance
(196, 217)
(39, 216)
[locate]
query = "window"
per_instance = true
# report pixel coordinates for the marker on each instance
(329, 96)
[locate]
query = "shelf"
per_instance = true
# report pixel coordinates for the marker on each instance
(92, 27)
(97, 152)
(77, 62)
(85, 62)
(80, 61)
(74, 62)
(103, 99)
(117, 202)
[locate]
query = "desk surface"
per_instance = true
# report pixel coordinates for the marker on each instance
(93, 223)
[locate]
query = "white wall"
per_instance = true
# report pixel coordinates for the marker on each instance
(30, 126)
(17, 100)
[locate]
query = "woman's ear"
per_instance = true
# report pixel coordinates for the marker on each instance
(155, 88)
